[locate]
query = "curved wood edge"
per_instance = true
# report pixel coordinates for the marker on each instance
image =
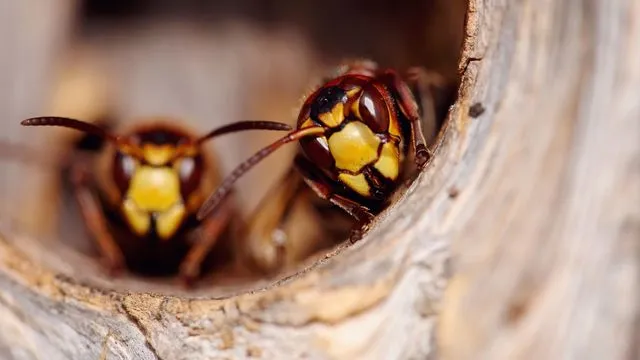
(537, 195)
(352, 305)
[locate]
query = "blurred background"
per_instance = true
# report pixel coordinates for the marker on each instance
(201, 61)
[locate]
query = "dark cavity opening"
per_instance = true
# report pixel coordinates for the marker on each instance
(394, 34)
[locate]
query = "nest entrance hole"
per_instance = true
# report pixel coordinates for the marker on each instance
(418, 33)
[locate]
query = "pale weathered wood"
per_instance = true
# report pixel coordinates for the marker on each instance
(545, 232)
(532, 207)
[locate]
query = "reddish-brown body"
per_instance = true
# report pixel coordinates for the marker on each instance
(139, 202)
(355, 132)
(370, 173)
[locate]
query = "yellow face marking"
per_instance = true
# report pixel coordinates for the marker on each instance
(394, 125)
(168, 222)
(138, 220)
(307, 123)
(355, 106)
(355, 109)
(357, 183)
(158, 155)
(154, 190)
(333, 118)
(389, 162)
(354, 146)
(351, 93)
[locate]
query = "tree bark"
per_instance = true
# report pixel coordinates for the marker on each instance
(531, 207)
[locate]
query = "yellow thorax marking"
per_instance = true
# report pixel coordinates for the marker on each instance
(158, 155)
(154, 190)
(354, 146)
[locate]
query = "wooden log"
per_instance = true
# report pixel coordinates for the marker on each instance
(545, 230)
(309, 315)
(531, 206)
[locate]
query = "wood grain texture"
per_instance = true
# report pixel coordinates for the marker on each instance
(531, 208)
(547, 247)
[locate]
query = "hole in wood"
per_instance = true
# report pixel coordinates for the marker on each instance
(425, 33)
